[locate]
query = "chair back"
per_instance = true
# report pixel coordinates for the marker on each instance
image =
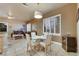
(48, 40)
(28, 38)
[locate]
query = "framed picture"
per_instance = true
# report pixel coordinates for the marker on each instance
(3, 27)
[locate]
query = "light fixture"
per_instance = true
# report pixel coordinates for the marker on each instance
(10, 17)
(10, 14)
(38, 15)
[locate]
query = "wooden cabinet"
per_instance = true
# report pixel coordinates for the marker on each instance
(69, 44)
(1, 44)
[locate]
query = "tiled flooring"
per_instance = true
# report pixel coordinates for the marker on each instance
(18, 48)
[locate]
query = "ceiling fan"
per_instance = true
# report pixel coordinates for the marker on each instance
(8, 16)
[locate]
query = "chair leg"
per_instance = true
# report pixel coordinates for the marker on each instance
(28, 51)
(50, 49)
(46, 50)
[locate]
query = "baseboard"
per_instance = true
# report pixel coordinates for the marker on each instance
(57, 43)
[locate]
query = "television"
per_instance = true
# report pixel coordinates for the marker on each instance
(3, 27)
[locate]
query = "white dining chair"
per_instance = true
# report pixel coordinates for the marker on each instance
(47, 44)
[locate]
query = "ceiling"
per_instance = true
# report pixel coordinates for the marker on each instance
(25, 13)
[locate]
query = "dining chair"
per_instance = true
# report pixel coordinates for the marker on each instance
(28, 39)
(47, 44)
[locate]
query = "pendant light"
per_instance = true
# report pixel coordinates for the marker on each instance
(38, 15)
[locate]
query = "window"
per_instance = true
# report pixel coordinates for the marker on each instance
(57, 25)
(29, 27)
(52, 25)
(46, 25)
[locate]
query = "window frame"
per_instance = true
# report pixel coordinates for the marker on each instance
(57, 34)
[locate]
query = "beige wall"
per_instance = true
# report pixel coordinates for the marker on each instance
(68, 20)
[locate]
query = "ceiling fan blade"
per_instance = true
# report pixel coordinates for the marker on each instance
(9, 17)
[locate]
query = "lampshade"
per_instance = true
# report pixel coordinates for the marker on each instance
(38, 15)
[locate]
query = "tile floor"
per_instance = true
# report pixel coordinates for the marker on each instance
(18, 48)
